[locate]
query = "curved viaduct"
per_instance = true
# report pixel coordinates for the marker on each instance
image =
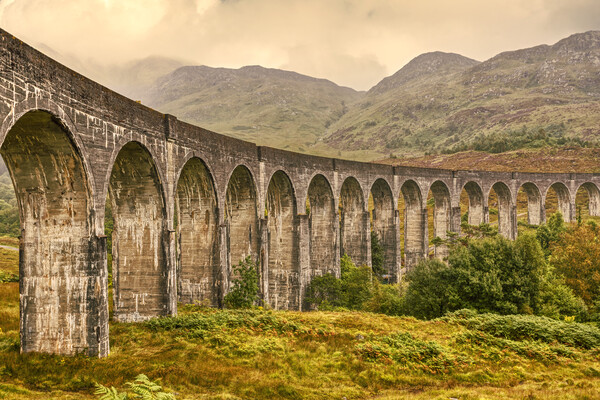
(188, 203)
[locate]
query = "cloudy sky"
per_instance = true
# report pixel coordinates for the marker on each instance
(351, 42)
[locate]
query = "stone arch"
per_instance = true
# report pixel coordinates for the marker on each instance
(506, 222)
(241, 217)
(283, 270)
(140, 236)
(415, 218)
(441, 215)
(383, 225)
(354, 223)
(60, 255)
(593, 197)
(197, 214)
(322, 225)
(534, 203)
(563, 198)
(475, 203)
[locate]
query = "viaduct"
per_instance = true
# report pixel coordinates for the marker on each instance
(189, 203)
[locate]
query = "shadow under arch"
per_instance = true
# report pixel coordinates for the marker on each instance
(322, 225)
(506, 222)
(592, 208)
(283, 269)
(354, 223)
(534, 203)
(383, 218)
(59, 251)
(198, 260)
(140, 237)
(441, 215)
(415, 218)
(475, 203)
(563, 198)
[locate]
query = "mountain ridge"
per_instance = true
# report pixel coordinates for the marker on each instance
(437, 102)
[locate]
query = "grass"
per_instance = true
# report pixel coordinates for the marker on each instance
(261, 354)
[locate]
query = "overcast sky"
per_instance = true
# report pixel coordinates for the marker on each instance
(353, 43)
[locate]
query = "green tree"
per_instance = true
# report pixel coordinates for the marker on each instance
(489, 275)
(323, 292)
(550, 232)
(356, 283)
(244, 290)
(377, 256)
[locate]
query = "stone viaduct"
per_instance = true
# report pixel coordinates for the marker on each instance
(188, 203)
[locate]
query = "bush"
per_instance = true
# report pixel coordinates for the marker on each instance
(576, 256)
(352, 291)
(323, 292)
(528, 327)
(490, 275)
(431, 292)
(377, 256)
(356, 284)
(244, 291)
(386, 299)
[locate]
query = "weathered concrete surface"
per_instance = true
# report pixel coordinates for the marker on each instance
(189, 203)
(198, 267)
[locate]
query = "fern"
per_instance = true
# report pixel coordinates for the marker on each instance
(109, 393)
(141, 388)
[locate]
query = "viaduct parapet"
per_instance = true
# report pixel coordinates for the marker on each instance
(188, 204)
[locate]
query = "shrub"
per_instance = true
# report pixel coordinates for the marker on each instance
(377, 256)
(576, 256)
(244, 291)
(490, 275)
(528, 327)
(356, 283)
(386, 299)
(323, 292)
(353, 290)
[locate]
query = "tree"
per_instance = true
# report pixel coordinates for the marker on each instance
(489, 275)
(244, 291)
(576, 256)
(377, 256)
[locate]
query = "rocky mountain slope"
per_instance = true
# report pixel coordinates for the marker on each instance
(438, 102)
(556, 88)
(267, 106)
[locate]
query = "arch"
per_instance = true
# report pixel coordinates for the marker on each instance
(415, 245)
(506, 221)
(354, 223)
(475, 203)
(534, 203)
(563, 199)
(383, 225)
(441, 215)
(592, 208)
(283, 244)
(59, 253)
(241, 218)
(322, 225)
(140, 234)
(197, 235)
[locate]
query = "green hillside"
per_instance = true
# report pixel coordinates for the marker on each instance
(554, 88)
(438, 102)
(267, 106)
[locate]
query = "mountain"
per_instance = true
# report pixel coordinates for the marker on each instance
(444, 101)
(438, 102)
(267, 106)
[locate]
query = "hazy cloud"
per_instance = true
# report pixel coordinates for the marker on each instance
(351, 42)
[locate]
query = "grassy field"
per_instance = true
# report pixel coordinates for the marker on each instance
(261, 354)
